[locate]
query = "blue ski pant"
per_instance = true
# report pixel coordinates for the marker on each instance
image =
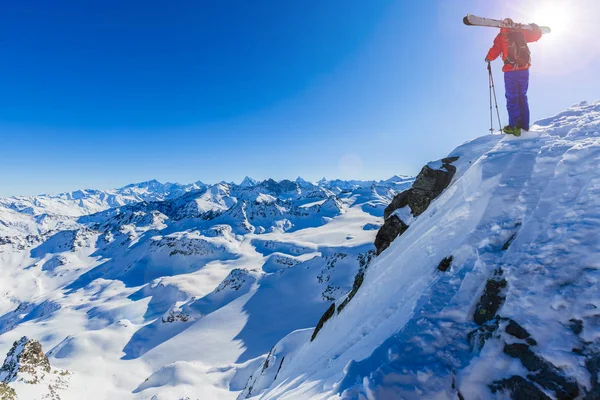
(516, 83)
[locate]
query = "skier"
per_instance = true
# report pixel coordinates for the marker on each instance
(512, 44)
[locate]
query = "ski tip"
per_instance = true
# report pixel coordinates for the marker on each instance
(466, 20)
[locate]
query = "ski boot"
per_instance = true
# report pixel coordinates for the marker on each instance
(512, 130)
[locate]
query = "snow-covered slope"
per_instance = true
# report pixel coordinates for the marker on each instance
(491, 291)
(175, 296)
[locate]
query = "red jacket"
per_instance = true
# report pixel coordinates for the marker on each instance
(501, 47)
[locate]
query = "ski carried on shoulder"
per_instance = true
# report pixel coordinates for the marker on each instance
(473, 20)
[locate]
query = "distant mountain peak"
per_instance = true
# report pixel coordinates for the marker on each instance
(248, 182)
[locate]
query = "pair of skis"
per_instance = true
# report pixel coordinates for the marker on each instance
(472, 20)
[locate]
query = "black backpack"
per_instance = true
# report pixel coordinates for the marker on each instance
(518, 55)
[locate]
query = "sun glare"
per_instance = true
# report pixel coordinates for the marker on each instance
(556, 15)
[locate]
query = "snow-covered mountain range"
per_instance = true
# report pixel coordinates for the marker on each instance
(477, 279)
(137, 277)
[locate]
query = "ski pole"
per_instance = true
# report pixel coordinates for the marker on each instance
(495, 99)
(490, 85)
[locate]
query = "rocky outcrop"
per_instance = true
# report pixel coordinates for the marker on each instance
(391, 229)
(518, 388)
(491, 299)
(543, 372)
(445, 264)
(237, 278)
(517, 343)
(429, 184)
(27, 363)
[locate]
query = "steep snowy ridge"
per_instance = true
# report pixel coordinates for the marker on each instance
(490, 292)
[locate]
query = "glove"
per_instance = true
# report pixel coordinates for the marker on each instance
(486, 60)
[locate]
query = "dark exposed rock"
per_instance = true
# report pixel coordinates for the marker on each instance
(445, 264)
(491, 299)
(364, 260)
(428, 185)
(399, 201)
(522, 351)
(576, 325)
(285, 186)
(391, 229)
(479, 336)
(543, 372)
(516, 330)
(509, 242)
(279, 369)
(519, 388)
(175, 317)
(328, 314)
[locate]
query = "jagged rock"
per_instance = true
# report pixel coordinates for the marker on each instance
(175, 317)
(25, 361)
(427, 186)
(543, 373)
(576, 325)
(391, 229)
(479, 336)
(491, 299)
(516, 330)
(235, 280)
(445, 264)
(519, 388)
(328, 314)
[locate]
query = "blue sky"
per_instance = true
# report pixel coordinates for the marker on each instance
(100, 94)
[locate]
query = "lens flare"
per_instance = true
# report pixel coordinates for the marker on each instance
(557, 15)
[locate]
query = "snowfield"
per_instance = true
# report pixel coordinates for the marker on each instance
(477, 280)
